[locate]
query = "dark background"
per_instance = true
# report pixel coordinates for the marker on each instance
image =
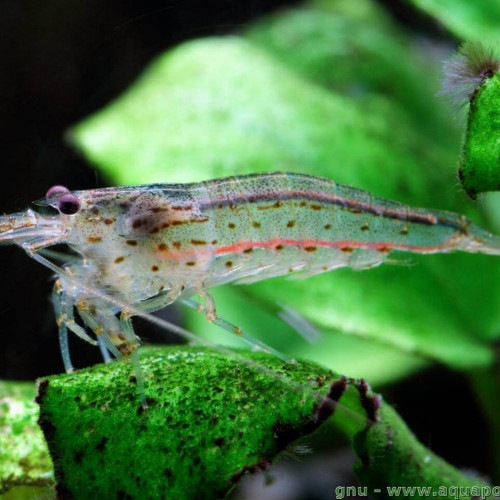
(59, 62)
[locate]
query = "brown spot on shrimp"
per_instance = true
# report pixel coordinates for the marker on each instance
(119, 259)
(276, 204)
(108, 222)
(347, 249)
(229, 264)
(315, 207)
(328, 226)
(94, 239)
(290, 223)
(231, 225)
(365, 226)
(310, 248)
(256, 224)
(155, 269)
(132, 243)
(190, 263)
(199, 242)
(163, 247)
(404, 231)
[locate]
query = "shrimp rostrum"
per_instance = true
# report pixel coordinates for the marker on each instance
(141, 248)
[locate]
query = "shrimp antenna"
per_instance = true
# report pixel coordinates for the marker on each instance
(328, 402)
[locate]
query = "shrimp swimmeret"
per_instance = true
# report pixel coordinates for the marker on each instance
(145, 247)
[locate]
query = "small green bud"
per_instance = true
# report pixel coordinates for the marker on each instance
(472, 77)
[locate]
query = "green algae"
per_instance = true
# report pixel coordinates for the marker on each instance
(212, 419)
(24, 457)
(389, 456)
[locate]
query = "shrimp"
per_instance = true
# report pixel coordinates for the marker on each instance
(144, 247)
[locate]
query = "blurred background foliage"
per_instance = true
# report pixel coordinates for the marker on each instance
(335, 88)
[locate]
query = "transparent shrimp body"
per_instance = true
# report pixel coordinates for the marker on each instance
(144, 247)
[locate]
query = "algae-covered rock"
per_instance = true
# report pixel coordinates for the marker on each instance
(211, 419)
(24, 458)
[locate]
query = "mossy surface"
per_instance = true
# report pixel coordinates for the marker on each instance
(390, 456)
(214, 417)
(211, 419)
(24, 458)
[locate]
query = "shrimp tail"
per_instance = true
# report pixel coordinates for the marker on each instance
(478, 240)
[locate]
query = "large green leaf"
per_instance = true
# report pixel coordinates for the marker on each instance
(355, 50)
(222, 106)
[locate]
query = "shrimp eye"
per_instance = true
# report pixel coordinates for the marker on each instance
(55, 191)
(68, 204)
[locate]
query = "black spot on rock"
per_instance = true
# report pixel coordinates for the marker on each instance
(102, 444)
(220, 441)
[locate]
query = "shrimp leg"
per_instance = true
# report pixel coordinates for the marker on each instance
(104, 350)
(57, 300)
(65, 319)
(175, 292)
(256, 344)
(105, 325)
(117, 336)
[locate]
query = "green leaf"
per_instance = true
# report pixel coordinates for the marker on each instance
(24, 458)
(359, 52)
(222, 106)
(211, 420)
(466, 20)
